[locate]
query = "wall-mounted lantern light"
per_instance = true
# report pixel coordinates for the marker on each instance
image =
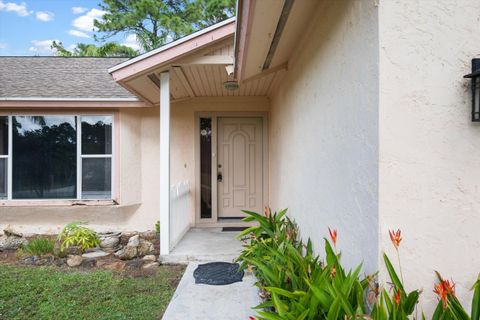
(475, 76)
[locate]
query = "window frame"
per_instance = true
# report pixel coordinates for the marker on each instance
(79, 158)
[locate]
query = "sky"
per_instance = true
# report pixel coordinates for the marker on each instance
(28, 27)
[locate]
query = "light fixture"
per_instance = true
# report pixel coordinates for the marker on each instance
(475, 76)
(230, 69)
(230, 85)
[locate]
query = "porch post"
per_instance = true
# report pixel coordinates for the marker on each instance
(164, 163)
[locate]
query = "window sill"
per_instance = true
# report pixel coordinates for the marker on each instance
(57, 203)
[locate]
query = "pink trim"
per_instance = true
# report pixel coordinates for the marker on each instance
(171, 54)
(243, 32)
(72, 104)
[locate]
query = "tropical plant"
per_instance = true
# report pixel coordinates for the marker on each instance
(294, 282)
(109, 49)
(157, 226)
(155, 22)
(76, 234)
(39, 246)
(402, 303)
(449, 307)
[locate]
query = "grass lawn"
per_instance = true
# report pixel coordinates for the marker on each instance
(48, 293)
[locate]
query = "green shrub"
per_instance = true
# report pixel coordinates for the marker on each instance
(76, 234)
(39, 246)
(157, 226)
(296, 284)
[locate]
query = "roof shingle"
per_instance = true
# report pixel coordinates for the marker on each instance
(58, 77)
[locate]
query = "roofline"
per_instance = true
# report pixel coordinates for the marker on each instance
(171, 45)
(69, 103)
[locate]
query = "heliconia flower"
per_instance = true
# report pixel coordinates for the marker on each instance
(397, 297)
(266, 211)
(443, 289)
(396, 237)
(309, 269)
(333, 236)
(252, 318)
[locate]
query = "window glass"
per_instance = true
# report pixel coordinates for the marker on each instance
(3, 135)
(44, 157)
(3, 178)
(96, 178)
(97, 134)
(206, 167)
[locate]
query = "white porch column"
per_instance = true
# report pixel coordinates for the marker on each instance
(164, 163)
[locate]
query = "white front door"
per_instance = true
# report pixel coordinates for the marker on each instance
(239, 166)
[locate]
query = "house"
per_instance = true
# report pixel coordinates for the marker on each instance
(353, 114)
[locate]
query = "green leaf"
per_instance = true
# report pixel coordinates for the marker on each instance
(393, 275)
(476, 300)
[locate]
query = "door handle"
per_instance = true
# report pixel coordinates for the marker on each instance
(219, 177)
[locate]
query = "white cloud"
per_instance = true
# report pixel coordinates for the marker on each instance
(44, 16)
(20, 9)
(78, 10)
(42, 47)
(85, 22)
(77, 33)
(131, 41)
(3, 45)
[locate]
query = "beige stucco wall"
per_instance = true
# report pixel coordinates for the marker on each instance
(429, 148)
(324, 131)
(138, 157)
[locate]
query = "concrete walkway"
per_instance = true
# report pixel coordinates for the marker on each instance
(201, 302)
(205, 244)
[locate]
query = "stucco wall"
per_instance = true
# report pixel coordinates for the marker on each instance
(324, 131)
(429, 149)
(138, 158)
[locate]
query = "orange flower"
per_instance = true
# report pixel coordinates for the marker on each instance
(397, 297)
(333, 236)
(396, 237)
(443, 289)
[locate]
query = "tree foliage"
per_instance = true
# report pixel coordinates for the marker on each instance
(155, 22)
(109, 49)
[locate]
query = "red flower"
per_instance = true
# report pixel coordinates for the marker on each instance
(397, 297)
(396, 237)
(333, 236)
(443, 289)
(252, 318)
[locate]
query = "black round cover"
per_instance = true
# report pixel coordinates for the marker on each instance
(218, 273)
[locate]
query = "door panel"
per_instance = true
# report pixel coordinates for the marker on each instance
(240, 166)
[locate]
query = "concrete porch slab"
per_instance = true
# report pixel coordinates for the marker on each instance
(199, 301)
(205, 244)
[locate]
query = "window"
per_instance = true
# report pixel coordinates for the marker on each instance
(56, 157)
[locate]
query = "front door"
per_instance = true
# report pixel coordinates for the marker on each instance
(239, 166)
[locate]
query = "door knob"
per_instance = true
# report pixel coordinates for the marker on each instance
(219, 177)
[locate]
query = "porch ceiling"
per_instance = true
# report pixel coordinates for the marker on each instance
(202, 75)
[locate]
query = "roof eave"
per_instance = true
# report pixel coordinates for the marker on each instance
(172, 51)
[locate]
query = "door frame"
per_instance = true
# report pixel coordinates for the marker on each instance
(214, 221)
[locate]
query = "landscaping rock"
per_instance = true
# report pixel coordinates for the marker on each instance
(10, 232)
(134, 241)
(74, 261)
(109, 240)
(60, 262)
(127, 253)
(148, 235)
(11, 242)
(150, 257)
(30, 260)
(89, 263)
(145, 247)
(118, 266)
(134, 264)
(151, 265)
(95, 254)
